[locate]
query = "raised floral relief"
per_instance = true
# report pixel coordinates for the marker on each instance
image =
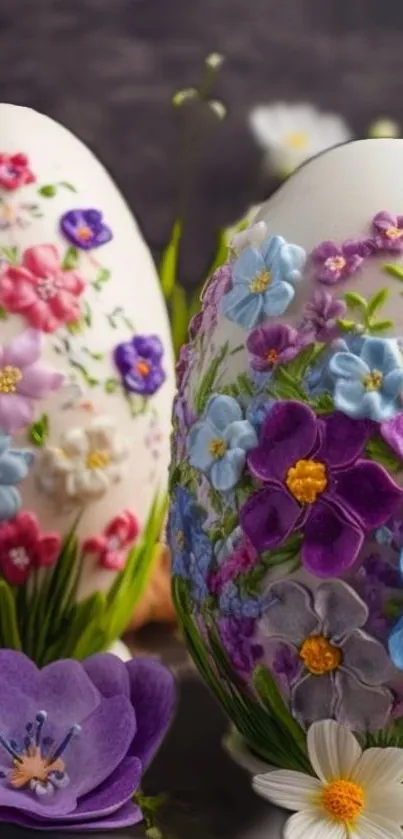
(14, 467)
(15, 171)
(85, 229)
(85, 464)
(110, 548)
(24, 548)
(139, 362)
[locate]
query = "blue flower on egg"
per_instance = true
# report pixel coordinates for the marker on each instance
(263, 282)
(218, 443)
(14, 467)
(191, 548)
(369, 382)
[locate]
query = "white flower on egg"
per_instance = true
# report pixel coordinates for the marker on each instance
(291, 134)
(254, 235)
(85, 464)
(355, 794)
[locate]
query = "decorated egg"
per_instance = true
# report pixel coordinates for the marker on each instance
(286, 519)
(86, 385)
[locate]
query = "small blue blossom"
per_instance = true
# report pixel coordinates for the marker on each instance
(258, 409)
(191, 549)
(383, 535)
(263, 282)
(368, 384)
(395, 644)
(234, 604)
(14, 467)
(218, 443)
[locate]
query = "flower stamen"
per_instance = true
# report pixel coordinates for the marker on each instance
(261, 282)
(373, 381)
(9, 378)
(306, 480)
(319, 655)
(343, 800)
(217, 448)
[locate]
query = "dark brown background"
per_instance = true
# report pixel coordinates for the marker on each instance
(108, 69)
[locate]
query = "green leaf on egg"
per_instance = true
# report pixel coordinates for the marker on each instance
(377, 449)
(376, 302)
(68, 185)
(206, 387)
(10, 254)
(103, 277)
(38, 432)
(394, 270)
(47, 191)
(355, 300)
(71, 259)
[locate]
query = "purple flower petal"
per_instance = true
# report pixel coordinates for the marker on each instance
(289, 615)
(269, 516)
(38, 380)
(66, 692)
(129, 815)
(288, 434)
(360, 707)
(325, 250)
(392, 433)
(152, 691)
(312, 699)
(340, 609)
(24, 350)
(344, 439)
(369, 493)
(15, 412)
(331, 542)
(366, 658)
(111, 795)
(108, 674)
(383, 220)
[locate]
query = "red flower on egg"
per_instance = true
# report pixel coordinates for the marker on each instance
(15, 171)
(23, 547)
(110, 547)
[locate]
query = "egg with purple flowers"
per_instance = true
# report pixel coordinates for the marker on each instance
(86, 387)
(286, 517)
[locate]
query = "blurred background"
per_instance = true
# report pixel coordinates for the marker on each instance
(108, 70)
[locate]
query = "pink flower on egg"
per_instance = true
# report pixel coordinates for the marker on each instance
(14, 171)
(335, 263)
(40, 290)
(110, 547)
(23, 547)
(23, 379)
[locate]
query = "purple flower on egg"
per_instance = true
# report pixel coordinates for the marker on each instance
(315, 482)
(335, 263)
(388, 232)
(269, 345)
(321, 314)
(139, 362)
(239, 641)
(76, 737)
(85, 229)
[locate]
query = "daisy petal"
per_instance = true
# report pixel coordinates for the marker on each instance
(374, 827)
(386, 801)
(380, 767)
(291, 790)
(333, 750)
(309, 824)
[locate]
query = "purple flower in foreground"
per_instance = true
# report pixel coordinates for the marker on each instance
(335, 263)
(321, 314)
(75, 739)
(315, 482)
(388, 229)
(85, 229)
(269, 345)
(139, 362)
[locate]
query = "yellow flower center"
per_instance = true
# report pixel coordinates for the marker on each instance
(9, 378)
(32, 766)
(394, 233)
(217, 448)
(297, 140)
(373, 380)
(306, 480)
(272, 357)
(84, 233)
(335, 263)
(319, 655)
(142, 367)
(343, 800)
(98, 459)
(260, 283)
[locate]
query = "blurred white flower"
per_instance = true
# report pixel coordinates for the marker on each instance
(254, 235)
(291, 134)
(384, 127)
(355, 794)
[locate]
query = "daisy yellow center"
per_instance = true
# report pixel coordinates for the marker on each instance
(296, 140)
(142, 367)
(32, 766)
(9, 378)
(335, 263)
(98, 459)
(261, 282)
(84, 232)
(394, 233)
(272, 357)
(373, 381)
(319, 655)
(343, 800)
(306, 480)
(217, 448)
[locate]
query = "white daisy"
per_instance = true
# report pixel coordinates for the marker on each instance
(291, 134)
(85, 464)
(356, 794)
